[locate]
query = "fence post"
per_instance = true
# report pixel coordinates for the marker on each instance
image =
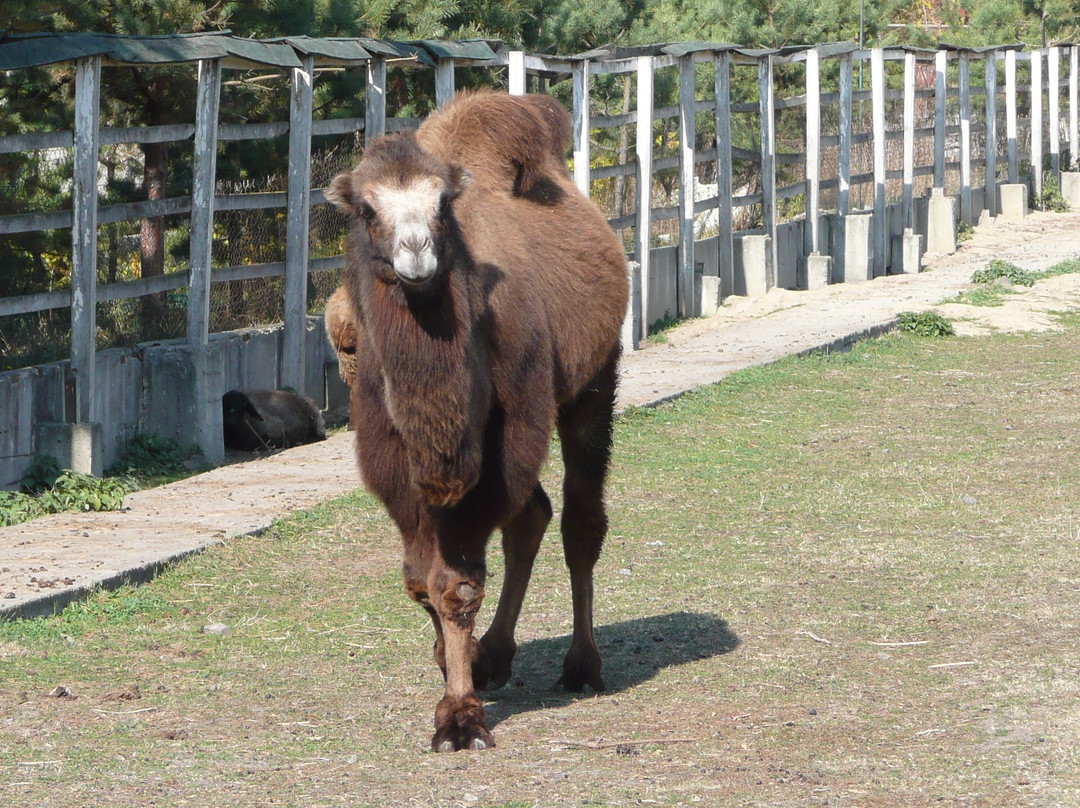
(812, 232)
(909, 141)
(965, 136)
(1010, 116)
(767, 107)
(688, 300)
(298, 205)
(84, 205)
(722, 114)
(444, 81)
(940, 66)
(877, 86)
(1053, 95)
(375, 107)
(643, 225)
(990, 173)
(582, 156)
(207, 394)
(1036, 124)
(516, 79)
(843, 157)
(1074, 119)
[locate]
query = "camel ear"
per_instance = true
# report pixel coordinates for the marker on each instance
(460, 179)
(340, 192)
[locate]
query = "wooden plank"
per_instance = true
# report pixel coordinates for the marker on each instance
(1010, 115)
(256, 201)
(812, 231)
(516, 72)
(34, 222)
(880, 230)
(1036, 124)
(297, 226)
(204, 173)
(909, 141)
(33, 141)
(337, 126)
(125, 290)
(965, 136)
(173, 133)
(444, 82)
(990, 173)
(643, 225)
(940, 67)
(582, 156)
(42, 301)
(1053, 91)
(722, 114)
(375, 111)
(252, 131)
(687, 301)
(133, 211)
(84, 236)
(843, 170)
(766, 93)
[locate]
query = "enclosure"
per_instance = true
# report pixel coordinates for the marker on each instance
(133, 305)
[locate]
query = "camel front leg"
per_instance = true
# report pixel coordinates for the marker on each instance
(456, 594)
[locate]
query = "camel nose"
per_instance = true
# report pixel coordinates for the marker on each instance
(414, 260)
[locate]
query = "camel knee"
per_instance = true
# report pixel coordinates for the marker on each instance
(457, 599)
(583, 531)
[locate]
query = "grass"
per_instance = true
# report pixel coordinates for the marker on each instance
(986, 292)
(844, 580)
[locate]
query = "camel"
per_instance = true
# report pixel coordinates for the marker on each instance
(488, 294)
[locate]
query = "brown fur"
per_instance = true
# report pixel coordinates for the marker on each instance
(459, 384)
(341, 331)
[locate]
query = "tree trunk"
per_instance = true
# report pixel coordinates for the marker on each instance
(155, 172)
(624, 147)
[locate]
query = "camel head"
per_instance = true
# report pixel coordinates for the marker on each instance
(401, 197)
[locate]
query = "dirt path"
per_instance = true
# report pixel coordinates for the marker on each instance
(51, 561)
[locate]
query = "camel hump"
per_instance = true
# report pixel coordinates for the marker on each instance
(512, 143)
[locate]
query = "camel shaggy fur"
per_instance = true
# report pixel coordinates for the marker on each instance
(341, 331)
(488, 294)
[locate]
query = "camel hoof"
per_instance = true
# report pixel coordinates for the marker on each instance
(459, 724)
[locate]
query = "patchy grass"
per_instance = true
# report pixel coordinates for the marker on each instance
(845, 580)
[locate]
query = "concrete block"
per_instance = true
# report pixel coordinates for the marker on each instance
(911, 255)
(756, 264)
(79, 447)
(1070, 188)
(941, 223)
(710, 295)
(818, 271)
(851, 250)
(1014, 202)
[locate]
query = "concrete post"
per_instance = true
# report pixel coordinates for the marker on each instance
(631, 329)
(1013, 202)
(911, 256)
(941, 223)
(851, 248)
(818, 271)
(1070, 188)
(757, 270)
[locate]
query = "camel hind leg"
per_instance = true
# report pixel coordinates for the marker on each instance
(585, 430)
(521, 541)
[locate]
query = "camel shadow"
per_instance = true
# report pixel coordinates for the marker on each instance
(634, 651)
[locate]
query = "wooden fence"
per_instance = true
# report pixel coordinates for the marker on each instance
(824, 165)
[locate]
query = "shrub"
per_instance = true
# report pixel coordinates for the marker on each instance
(1003, 269)
(925, 324)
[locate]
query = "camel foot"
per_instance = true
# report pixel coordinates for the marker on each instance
(500, 657)
(581, 668)
(459, 724)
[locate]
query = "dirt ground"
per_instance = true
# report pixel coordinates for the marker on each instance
(50, 561)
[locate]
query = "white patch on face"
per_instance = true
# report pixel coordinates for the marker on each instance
(411, 212)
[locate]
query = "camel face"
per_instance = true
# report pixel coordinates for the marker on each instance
(408, 216)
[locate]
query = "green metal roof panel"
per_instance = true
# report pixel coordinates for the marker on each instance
(262, 52)
(476, 49)
(338, 49)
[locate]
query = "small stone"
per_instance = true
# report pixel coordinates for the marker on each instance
(967, 499)
(61, 692)
(10, 595)
(624, 571)
(219, 629)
